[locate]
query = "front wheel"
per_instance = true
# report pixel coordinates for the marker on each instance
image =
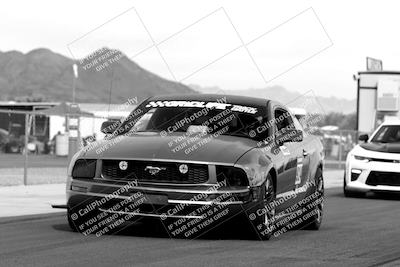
(265, 219)
(73, 225)
(85, 224)
(317, 210)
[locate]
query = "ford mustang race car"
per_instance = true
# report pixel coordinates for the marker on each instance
(375, 164)
(195, 162)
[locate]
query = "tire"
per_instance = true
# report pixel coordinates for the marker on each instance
(264, 223)
(71, 223)
(80, 220)
(315, 221)
(351, 193)
(89, 223)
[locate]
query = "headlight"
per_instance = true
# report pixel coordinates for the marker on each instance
(233, 176)
(71, 164)
(361, 158)
(84, 168)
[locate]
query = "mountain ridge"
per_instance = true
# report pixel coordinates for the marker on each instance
(284, 96)
(43, 75)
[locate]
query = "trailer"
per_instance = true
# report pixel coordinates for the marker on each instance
(377, 98)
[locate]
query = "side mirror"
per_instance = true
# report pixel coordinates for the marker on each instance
(297, 136)
(290, 136)
(363, 137)
(109, 127)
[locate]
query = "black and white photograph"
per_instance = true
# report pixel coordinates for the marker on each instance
(199, 133)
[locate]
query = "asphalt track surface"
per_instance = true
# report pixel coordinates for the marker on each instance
(355, 232)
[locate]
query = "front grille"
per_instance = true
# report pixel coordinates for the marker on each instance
(383, 178)
(197, 173)
(385, 160)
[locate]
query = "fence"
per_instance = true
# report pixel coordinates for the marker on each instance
(337, 144)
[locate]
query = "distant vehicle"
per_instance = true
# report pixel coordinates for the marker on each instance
(14, 145)
(15, 142)
(260, 164)
(374, 165)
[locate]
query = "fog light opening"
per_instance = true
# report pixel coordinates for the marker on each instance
(355, 173)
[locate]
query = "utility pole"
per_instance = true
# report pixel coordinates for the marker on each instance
(26, 140)
(73, 120)
(75, 76)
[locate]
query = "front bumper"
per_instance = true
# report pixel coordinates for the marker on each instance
(365, 170)
(172, 201)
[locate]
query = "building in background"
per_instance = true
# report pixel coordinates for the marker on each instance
(44, 128)
(377, 98)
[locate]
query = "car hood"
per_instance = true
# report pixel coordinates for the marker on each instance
(149, 145)
(359, 150)
(382, 147)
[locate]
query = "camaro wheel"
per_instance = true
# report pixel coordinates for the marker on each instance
(265, 221)
(314, 222)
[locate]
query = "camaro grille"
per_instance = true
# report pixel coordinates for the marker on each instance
(152, 171)
(385, 160)
(383, 178)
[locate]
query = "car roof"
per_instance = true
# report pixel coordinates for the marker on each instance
(391, 122)
(235, 99)
(298, 111)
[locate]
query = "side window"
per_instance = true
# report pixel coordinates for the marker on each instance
(283, 120)
(297, 124)
(380, 135)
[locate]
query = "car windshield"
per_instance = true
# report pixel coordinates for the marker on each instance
(195, 117)
(387, 134)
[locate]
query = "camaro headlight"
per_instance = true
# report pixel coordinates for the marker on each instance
(361, 158)
(84, 168)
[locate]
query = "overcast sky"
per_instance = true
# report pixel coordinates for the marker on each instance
(301, 45)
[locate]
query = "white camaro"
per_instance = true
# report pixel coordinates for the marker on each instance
(375, 164)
